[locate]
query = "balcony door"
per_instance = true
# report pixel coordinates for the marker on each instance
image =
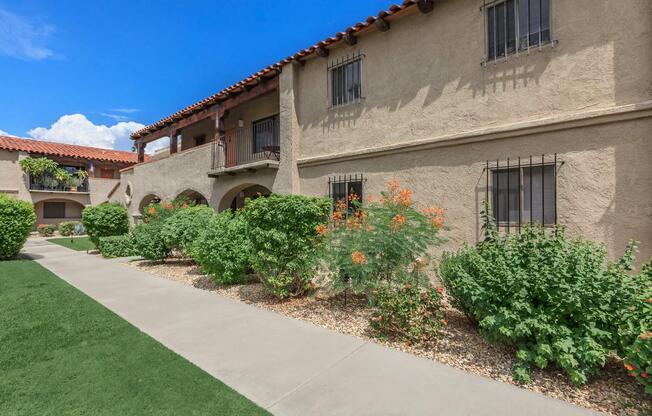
(230, 148)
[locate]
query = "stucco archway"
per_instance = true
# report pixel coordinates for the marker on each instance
(234, 199)
(148, 199)
(193, 196)
(56, 210)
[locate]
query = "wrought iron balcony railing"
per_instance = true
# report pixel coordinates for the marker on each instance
(242, 146)
(50, 183)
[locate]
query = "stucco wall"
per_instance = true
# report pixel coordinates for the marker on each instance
(423, 77)
(205, 127)
(261, 107)
(604, 185)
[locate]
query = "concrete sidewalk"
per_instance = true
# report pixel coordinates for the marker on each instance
(285, 365)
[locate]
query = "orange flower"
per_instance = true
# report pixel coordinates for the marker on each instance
(397, 222)
(354, 197)
(629, 367)
(358, 257)
(151, 211)
(404, 198)
(369, 199)
(648, 300)
(321, 229)
(393, 185)
(436, 216)
(440, 290)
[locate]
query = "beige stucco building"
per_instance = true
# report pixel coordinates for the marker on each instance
(55, 202)
(546, 112)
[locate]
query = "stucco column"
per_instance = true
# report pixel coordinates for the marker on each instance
(287, 178)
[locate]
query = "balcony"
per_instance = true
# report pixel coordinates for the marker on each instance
(49, 183)
(247, 149)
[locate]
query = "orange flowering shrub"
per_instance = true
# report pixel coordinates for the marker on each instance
(383, 240)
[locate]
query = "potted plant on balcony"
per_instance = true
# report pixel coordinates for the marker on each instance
(76, 180)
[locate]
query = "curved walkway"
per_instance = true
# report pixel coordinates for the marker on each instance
(288, 366)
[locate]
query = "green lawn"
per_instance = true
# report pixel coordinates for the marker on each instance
(76, 243)
(61, 353)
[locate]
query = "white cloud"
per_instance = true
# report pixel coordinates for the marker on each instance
(125, 110)
(161, 143)
(4, 133)
(77, 129)
(21, 38)
(116, 117)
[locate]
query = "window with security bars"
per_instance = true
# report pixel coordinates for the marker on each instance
(346, 188)
(345, 80)
(54, 210)
(516, 25)
(523, 191)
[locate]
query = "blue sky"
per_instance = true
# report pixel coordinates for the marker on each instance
(91, 72)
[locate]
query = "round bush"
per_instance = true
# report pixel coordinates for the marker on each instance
(557, 300)
(223, 250)
(46, 230)
(16, 222)
(116, 246)
(67, 228)
(105, 220)
(148, 242)
(184, 226)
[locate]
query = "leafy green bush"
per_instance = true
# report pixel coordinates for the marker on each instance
(284, 240)
(67, 228)
(557, 300)
(148, 241)
(636, 332)
(159, 212)
(46, 230)
(407, 312)
(223, 250)
(379, 241)
(105, 220)
(184, 226)
(116, 246)
(16, 221)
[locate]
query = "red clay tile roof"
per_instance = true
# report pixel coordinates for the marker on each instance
(67, 150)
(272, 70)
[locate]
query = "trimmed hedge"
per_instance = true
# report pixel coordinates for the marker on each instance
(67, 228)
(105, 220)
(223, 250)
(183, 227)
(16, 222)
(148, 241)
(116, 246)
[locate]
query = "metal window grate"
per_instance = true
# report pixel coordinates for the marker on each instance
(344, 80)
(342, 186)
(522, 191)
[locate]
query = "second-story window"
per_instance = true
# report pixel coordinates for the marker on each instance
(345, 80)
(516, 25)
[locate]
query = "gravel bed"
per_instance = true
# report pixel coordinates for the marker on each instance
(460, 345)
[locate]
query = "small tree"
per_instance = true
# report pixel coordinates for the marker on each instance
(16, 222)
(105, 220)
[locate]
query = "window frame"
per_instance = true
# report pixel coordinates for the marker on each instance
(356, 91)
(49, 217)
(346, 180)
(519, 49)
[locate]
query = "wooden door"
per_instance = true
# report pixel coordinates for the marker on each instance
(230, 148)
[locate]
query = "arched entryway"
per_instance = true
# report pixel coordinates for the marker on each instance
(148, 199)
(235, 198)
(56, 210)
(193, 196)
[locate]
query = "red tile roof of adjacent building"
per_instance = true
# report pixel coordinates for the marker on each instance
(273, 69)
(66, 150)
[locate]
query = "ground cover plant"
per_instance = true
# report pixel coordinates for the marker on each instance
(285, 247)
(557, 300)
(224, 249)
(116, 246)
(105, 220)
(76, 243)
(82, 359)
(16, 222)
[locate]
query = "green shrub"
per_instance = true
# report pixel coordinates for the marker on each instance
(16, 221)
(116, 246)
(184, 226)
(407, 312)
(159, 212)
(284, 240)
(223, 250)
(636, 331)
(46, 230)
(105, 220)
(557, 300)
(148, 242)
(67, 228)
(380, 241)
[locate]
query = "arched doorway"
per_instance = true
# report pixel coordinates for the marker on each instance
(193, 196)
(148, 199)
(235, 198)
